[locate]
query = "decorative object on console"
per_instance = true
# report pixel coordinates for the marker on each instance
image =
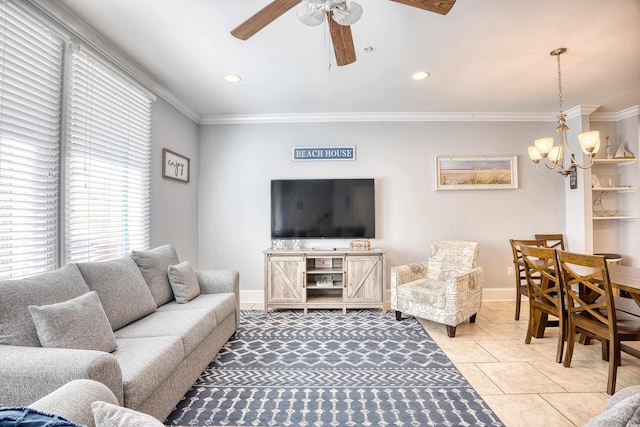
(339, 14)
(360, 244)
(476, 172)
(175, 166)
(554, 158)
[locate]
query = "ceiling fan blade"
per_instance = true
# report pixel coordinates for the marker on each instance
(264, 17)
(438, 6)
(342, 42)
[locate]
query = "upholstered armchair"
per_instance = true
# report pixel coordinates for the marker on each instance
(445, 289)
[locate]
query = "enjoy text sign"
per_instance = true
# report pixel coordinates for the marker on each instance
(323, 153)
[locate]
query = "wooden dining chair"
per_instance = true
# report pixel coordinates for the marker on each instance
(545, 293)
(518, 267)
(555, 241)
(591, 310)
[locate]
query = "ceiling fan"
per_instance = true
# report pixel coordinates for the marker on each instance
(339, 14)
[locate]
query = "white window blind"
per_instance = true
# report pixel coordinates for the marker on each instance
(108, 163)
(31, 59)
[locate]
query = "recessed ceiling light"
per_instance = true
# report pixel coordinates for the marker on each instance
(420, 75)
(232, 78)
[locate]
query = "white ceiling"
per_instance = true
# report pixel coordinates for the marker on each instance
(485, 56)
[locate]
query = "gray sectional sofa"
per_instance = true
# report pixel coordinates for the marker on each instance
(161, 346)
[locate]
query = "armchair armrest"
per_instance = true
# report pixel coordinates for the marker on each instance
(73, 401)
(408, 273)
(30, 373)
(465, 287)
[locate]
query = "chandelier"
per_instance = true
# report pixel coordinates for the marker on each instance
(313, 12)
(559, 158)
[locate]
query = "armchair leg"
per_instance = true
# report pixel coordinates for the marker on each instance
(451, 331)
(472, 319)
(398, 315)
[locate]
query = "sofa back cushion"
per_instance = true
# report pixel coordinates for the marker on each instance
(16, 325)
(123, 292)
(153, 264)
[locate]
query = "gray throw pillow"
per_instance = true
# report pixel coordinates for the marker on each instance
(109, 415)
(79, 323)
(184, 283)
(153, 264)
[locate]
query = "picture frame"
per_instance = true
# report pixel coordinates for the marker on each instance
(175, 166)
(483, 172)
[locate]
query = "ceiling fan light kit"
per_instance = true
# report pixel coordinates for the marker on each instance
(340, 15)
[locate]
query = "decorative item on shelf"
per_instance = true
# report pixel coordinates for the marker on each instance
(622, 153)
(595, 182)
(609, 148)
(360, 244)
(323, 263)
(296, 244)
(559, 158)
(324, 281)
(598, 208)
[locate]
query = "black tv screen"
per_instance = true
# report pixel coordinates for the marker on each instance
(323, 208)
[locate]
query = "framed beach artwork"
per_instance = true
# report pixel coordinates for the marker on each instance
(476, 172)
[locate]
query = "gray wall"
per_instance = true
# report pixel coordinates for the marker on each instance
(174, 204)
(234, 201)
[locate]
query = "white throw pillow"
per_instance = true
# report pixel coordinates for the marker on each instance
(109, 415)
(184, 282)
(78, 323)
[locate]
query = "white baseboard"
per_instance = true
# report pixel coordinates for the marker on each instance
(488, 294)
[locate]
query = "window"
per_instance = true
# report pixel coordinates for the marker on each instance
(105, 151)
(108, 163)
(31, 60)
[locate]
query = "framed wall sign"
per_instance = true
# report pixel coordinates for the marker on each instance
(175, 166)
(303, 154)
(476, 172)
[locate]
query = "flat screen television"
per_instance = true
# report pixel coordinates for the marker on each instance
(323, 208)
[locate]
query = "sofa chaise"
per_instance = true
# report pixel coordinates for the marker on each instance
(149, 350)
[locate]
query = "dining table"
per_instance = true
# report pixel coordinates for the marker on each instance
(623, 278)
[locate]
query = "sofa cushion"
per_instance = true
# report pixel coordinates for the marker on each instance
(146, 363)
(109, 415)
(16, 325)
(29, 417)
(424, 292)
(153, 265)
(79, 323)
(222, 304)
(191, 325)
(184, 283)
(123, 292)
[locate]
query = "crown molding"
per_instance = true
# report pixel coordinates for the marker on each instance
(620, 115)
(578, 111)
(376, 117)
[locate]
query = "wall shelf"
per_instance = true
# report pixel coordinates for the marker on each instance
(616, 217)
(617, 189)
(617, 162)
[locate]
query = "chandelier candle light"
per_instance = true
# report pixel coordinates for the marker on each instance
(559, 157)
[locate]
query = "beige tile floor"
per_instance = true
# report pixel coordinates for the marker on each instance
(522, 383)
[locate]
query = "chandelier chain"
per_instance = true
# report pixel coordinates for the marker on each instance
(559, 85)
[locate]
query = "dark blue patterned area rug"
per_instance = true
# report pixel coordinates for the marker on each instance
(330, 369)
